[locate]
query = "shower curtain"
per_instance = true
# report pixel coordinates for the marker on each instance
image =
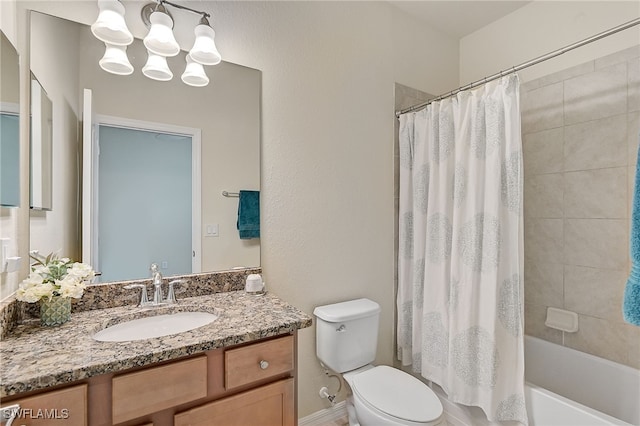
(460, 266)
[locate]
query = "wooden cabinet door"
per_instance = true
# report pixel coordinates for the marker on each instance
(148, 391)
(258, 361)
(269, 405)
(66, 407)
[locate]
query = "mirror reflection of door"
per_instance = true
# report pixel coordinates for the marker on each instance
(149, 173)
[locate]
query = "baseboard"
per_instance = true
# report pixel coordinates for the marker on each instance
(324, 416)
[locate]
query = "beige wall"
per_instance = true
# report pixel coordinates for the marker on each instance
(580, 139)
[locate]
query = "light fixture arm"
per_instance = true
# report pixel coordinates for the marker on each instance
(204, 14)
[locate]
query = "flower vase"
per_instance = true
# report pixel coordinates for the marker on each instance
(55, 311)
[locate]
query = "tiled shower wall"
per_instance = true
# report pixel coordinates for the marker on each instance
(580, 137)
(580, 131)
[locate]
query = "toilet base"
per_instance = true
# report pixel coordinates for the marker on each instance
(351, 412)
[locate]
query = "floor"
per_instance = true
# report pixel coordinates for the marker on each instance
(342, 421)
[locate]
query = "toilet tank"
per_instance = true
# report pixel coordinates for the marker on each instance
(347, 334)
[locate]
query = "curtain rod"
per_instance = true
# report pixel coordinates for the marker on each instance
(524, 65)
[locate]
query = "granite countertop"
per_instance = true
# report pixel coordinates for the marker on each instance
(34, 357)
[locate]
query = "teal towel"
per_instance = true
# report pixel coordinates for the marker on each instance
(248, 223)
(631, 301)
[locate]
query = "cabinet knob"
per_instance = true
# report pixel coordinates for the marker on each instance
(264, 364)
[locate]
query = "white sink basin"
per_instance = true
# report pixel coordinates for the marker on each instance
(155, 326)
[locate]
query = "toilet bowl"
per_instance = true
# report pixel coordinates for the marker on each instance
(385, 396)
(346, 340)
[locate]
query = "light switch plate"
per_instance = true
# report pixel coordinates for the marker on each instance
(212, 230)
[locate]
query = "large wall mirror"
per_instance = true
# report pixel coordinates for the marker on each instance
(9, 124)
(135, 119)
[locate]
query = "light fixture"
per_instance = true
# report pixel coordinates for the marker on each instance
(110, 26)
(204, 48)
(160, 39)
(115, 60)
(156, 68)
(160, 42)
(194, 74)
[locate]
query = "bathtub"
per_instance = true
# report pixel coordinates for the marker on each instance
(566, 387)
(596, 385)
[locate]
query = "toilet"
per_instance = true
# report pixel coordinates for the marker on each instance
(346, 340)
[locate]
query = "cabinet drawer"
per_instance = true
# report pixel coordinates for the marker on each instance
(270, 405)
(258, 361)
(147, 391)
(66, 407)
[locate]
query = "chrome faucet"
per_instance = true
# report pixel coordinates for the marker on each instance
(156, 277)
(156, 280)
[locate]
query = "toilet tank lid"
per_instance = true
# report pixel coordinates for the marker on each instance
(345, 311)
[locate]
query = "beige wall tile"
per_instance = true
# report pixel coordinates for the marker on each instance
(631, 176)
(633, 136)
(600, 193)
(543, 151)
(594, 292)
(633, 337)
(599, 130)
(542, 108)
(559, 76)
(599, 94)
(596, 144)
(618, 57)
(598, 243)
(543, 195)
(634, 85)
(568, 73)
(601, 338)
(543, 240)
(534, 317)
(543, 284)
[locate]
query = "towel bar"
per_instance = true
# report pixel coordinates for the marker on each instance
(230, 194)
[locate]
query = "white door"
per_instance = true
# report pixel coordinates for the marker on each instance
(145, 202)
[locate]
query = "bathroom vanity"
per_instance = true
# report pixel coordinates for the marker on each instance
(238, 370)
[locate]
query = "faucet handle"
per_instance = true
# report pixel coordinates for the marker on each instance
(171, 296)
(144, 300)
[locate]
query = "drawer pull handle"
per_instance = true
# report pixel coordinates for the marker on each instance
(264, 364)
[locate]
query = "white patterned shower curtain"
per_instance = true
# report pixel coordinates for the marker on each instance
(460, 266)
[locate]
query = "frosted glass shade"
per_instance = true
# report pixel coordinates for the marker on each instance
(156, 68)
(115, 60)
(160, 39)
(110, 26)
(194, 74)
(204, 48)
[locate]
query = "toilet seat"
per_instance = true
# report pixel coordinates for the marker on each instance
(397, 394)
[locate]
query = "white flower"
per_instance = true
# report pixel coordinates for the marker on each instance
(33, 293)
(51, 276)
(81, 271)
(70, 286)
(32, 280)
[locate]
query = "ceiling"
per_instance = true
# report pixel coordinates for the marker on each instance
(458, 18)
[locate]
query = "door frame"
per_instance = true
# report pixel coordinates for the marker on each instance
(196, 176)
